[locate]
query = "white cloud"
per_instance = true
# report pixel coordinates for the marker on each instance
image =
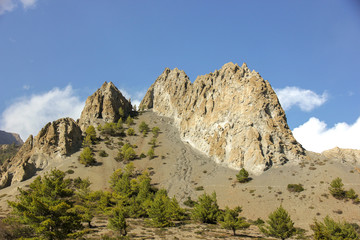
(6, 6)
(315, 136)
(26, 87)
(10, 5)
(306, 100)
(28, 3)
(29, 114)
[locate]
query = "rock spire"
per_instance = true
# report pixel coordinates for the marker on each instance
(104, 104)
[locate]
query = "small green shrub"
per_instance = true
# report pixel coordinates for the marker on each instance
(189, 202)
(102, 153)
(70, 171)
(130, 132)
(295, 188)
(199, 188)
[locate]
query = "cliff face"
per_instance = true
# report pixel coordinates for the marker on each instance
(104, 104)
(231, 114)
(57, 139)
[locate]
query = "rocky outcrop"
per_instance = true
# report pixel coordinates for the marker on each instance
(10, 138)
(232, 114)
(56, 140)
(343, 155)
(104, 104)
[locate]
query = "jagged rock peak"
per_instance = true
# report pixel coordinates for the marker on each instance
(232, 115)
(54, 141)
(104, 104)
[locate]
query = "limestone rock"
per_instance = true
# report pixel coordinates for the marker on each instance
(10, 138)
(232, 114)
(56, 140)
(343, 155)
(104, 104)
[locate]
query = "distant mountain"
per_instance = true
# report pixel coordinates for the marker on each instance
(10, 138)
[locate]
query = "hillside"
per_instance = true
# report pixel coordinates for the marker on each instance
(185, 169)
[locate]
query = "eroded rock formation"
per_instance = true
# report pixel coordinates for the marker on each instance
(56, 140)
(342, 155)
(104, 104)
(232, 114)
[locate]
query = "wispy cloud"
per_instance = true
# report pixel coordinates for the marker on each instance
(6, 6)
(29, 114)
(315, 136)
(28, 3)
(305, 99)
(10, 5)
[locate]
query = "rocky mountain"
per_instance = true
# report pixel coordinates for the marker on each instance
(63, 137)
(104, 104)
(10, 138)
(232, 115)
(343, 155)
(56, 140)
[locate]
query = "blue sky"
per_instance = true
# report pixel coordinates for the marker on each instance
(53, 54)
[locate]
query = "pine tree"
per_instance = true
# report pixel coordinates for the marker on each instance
(155, 131)
(279, 225)
(87, 157)
(90, 131)
(232, 221)
(336, 188)
(243, 176)
(331, 230)
(121, 113)
(143, 128)
(151, 153)
(159, 210)
(117, 221)
(206, 209)
(46, 207)
(129, 121)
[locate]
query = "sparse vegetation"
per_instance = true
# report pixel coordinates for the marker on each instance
(8, 152)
